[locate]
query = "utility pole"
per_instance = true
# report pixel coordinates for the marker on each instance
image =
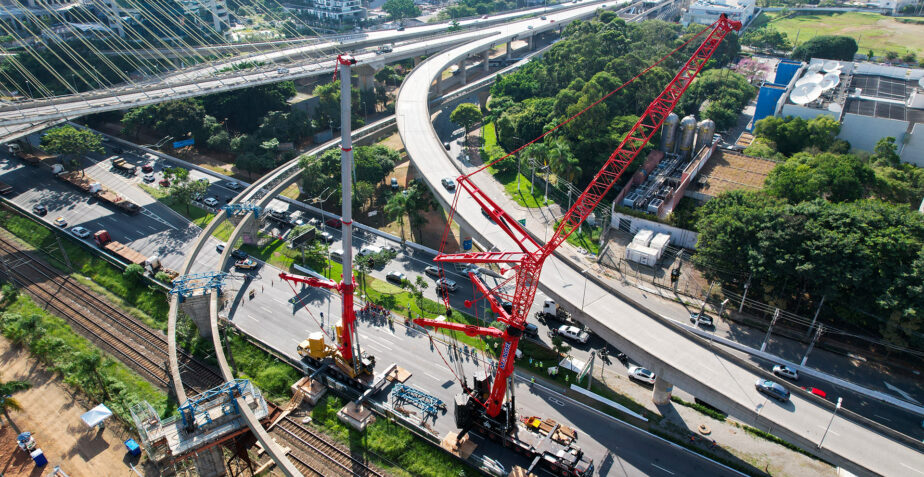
(702, 307)
(836, 408)
(815, 318)
(744, 297)
(812, 344)
(776, 316)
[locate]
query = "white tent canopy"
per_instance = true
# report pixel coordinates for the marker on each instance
(97, 415)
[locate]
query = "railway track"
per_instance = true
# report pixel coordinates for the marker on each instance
(328, 458)
(119, 333)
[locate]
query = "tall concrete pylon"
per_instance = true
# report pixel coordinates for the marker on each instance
(219, 11)
(114, 16)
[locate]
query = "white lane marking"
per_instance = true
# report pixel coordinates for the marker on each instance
(880, 417)
(829, 430)
(434, 377)
(662, 468)
(899, 391)
(385, 340)
(267, 310)
(912, 468)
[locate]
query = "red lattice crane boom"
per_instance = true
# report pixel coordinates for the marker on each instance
(530, 259)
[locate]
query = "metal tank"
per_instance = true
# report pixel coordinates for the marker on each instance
(687, 132)
(669, 133)
(704, 131)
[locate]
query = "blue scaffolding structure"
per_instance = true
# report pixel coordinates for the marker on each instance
(241, 209)
(201, 404)
(427, 403)
(186, 285)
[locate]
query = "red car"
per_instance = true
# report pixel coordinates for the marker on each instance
(147, 168)
(817, 392)
(164, 183)
(335, 223)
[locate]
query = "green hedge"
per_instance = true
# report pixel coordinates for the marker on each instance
(713, 413)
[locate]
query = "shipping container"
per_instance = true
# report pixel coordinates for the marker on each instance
(643, 237)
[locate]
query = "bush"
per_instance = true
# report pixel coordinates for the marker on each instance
(713, 413)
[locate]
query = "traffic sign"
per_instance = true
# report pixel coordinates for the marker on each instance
(467, 243)
(184, 143)
(522, 222)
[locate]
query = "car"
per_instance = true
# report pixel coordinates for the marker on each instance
(446, 284)
(772, 389)
(233, 185)
(396, 277)
(220, 248)
(701, 319)
(641, 374)
(239, 254)
(282, 71)
(552, 21)
(246, 264)
(39, 209)
(327, 237)
(334, 223)
(784, 371)
(531, 330)
(80, 232)
(149, 178)
(61, 222)
(484, 17)
(542, 17)
(210, 201)
(529, 27)
(446, 145)
(198, 196)
(383, 49)
(433, 271)
(571, 332)
(394, 183)
(817, 392)
(471, 269)
(147, 168)
(448, 183)
(164, 183)
(314, 222)
(400, 28)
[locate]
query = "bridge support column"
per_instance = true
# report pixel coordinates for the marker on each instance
(366, 75)
(251, 233)
(661, 394)
(508, 53)
(463, 73)
(196, 308)
(418, 60)
(439, 83)
(487, 60)
(532, 43)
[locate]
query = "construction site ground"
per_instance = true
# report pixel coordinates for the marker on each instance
(51, 412)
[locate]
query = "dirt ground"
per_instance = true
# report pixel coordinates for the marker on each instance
(51, 412)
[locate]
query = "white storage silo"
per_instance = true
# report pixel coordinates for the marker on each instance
(704, 131)
(687, 133)
(669, 133)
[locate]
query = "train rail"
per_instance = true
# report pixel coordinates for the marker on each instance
(328, 459)
(117, 332)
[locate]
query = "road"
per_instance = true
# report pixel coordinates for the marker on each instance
(666, 351)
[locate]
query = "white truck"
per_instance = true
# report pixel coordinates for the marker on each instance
(551, 311)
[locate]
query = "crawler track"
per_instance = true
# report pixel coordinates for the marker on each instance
(117, 332)
(316, 455)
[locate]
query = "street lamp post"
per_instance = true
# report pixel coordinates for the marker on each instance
(519, 141)
(584, 295)
(822, 441)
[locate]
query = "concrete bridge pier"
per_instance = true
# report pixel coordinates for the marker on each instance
(508, 53)
(439, 83)
(661, 394)
(487, 60)
(418, 60)
(366, 75)
(196, 308)
(531, 42)
(463, 74)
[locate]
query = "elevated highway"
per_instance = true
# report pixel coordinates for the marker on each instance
(677, 356)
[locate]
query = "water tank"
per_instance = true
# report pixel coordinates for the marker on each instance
(669, 133)
(704, 131)
(687, 133)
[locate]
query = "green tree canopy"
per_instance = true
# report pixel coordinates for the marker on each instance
(834, 177)
(466, 115)
(69, 140)
(766, 38)
(831, 47)
(399, 9)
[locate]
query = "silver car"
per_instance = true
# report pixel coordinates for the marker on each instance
(786, 372)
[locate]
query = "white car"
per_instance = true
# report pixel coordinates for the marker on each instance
(80, 232)
(233, 185)
(210, 201)
(573, 332)
(639, 373)
(786, 372)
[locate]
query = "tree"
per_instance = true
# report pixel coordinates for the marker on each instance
(86, 366)
(8, 402)
(133, 273)
(885, 153)
(767, 38)
(891, 56)
(400, 9)
(364, 192)
(466, 115)
(833, 177)
(910, 58)
(563, 163)
(70, 141)
(831, 47)
(420, 285)
(182, 189)
(396, 208)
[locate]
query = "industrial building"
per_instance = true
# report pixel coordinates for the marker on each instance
(335, 10)
(660, 183)
(871, 101)
(705, 12)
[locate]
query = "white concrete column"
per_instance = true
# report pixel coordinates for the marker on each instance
(462, 72)
(487, 60)
(532, 43)
(661, 394)
(439, 83)
(509, 51)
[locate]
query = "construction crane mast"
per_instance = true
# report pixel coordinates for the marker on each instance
(527, 263)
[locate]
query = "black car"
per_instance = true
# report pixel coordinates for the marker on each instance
(39, 210)
(239, 254)
(772, 389)
(531, 330)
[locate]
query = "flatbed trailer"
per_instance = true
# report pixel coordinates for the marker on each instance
(91, 186)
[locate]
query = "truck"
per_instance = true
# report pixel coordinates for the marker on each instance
(105, 242)
(153, 265)
(551, 311)
(92, 187)
(123, 165)
(30, 158)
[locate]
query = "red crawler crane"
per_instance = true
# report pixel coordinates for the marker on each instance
(528, 261)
